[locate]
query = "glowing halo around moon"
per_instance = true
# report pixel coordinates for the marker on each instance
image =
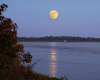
(53, 14)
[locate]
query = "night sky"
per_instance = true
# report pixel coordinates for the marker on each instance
(75, 17)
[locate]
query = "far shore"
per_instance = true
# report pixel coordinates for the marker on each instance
(60, 41)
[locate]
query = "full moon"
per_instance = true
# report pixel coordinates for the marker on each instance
(53, 14)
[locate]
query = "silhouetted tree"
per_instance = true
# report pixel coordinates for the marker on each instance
(12, 55)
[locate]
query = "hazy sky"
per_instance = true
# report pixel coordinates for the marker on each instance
(75, 17)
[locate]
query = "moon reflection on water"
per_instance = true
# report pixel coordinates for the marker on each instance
(53, 65)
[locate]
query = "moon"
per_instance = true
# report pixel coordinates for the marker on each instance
(53, 14)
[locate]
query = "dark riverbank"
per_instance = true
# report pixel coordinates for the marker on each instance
(58, 39)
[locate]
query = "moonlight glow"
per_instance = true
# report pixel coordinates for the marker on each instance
(53, 14)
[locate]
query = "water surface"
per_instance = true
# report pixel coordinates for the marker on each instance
(77, 61)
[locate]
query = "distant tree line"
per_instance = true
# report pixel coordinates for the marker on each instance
(59, 39)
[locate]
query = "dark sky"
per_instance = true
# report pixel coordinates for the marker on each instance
(75, 17)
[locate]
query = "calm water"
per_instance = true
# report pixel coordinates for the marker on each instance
(77, 61)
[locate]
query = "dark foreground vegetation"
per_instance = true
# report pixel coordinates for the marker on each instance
(59, 39)
(12, 55)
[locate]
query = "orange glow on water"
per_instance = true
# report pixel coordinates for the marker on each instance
(53, 63)
(53, 57)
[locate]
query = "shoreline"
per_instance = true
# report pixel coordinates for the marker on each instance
(61, 41)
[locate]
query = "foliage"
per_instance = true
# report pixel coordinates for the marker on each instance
(12, 55)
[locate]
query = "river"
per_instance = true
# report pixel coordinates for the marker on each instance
(76, 61)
